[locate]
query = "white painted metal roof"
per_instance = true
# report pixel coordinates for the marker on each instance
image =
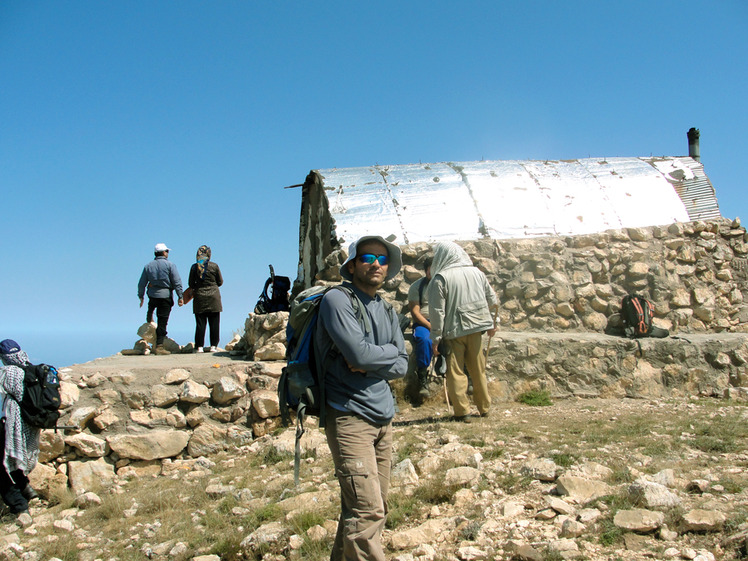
(510, 199)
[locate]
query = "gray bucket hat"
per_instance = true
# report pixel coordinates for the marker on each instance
(393, 252)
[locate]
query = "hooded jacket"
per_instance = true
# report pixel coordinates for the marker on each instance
(460, 297)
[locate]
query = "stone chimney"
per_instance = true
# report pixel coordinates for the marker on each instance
(693, 144)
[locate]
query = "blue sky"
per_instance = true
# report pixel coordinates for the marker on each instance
(123, 124)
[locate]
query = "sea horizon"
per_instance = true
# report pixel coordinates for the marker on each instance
(74, 347)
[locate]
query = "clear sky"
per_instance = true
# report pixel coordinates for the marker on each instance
(124, 124)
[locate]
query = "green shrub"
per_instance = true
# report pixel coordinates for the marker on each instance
(535, 398)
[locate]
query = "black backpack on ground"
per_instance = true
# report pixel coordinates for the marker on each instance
(40, 405)
(277, 299)
(636, 315)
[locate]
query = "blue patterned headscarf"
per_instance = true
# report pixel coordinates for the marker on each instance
(203, 256)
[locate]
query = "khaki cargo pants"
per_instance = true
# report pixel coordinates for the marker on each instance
(362, 453)
(466, 353)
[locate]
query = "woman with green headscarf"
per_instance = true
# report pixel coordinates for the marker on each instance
(205, 278)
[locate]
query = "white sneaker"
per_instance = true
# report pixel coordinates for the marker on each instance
(199, 350)
(213, 349)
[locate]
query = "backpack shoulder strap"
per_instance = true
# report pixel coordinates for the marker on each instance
(358, 307)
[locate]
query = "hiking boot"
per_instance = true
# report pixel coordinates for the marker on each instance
(462, 419)
(423, 382)
(160, 350)
(29, 493)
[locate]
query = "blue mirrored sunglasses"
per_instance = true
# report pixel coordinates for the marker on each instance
(369, 258)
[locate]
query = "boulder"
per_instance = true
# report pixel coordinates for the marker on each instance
(149, 446)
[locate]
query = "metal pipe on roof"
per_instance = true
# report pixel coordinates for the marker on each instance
(693, 144)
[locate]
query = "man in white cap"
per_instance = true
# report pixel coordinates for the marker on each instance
(161, 277)
(360, 406)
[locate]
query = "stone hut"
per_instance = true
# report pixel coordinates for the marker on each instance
(495, 200)
(561, 242)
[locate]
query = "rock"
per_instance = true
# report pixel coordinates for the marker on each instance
(87, 500)
(462, 476)
(176, 376)
(163, 395)
(49, 483)
(264, 535)
(227, 390)
(265, 403)
(69, 395)
(51, 445)
(589, 515)
(81, 416)
(149, 446)
(639, 520)
(580, 489)
(207, 439)
(571, 529)
(271, 351)
(652, 495)
(560, 505)
(194, 392)
(424, 533)
(105, 419)
(703, 521)
(89, 475)
(147, 332)
(88, 445)
(541, 469)
(471, 553)
(528, 553)
(404, 474)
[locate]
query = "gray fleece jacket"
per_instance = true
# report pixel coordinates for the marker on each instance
(380, 354)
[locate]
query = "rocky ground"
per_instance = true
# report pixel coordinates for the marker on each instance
(596, 479)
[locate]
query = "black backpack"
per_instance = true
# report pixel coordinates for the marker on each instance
(40, 405)
(636, 314)
(277, 299)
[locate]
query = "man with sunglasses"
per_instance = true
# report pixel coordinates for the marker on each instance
(360, 406)
(161, 277)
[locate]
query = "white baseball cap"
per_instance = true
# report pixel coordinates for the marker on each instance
(160, 247)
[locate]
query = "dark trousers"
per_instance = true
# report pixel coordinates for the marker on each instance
(12, 485)
(162, 306)
(214, 321)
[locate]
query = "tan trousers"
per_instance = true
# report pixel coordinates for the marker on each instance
(362, 454)
(466, 353)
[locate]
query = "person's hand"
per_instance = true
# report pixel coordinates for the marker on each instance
(491, 332)
(435, 348)
(354, 369)
(180, 302)
(141, 302)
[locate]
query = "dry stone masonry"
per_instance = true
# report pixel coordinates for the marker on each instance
(559, 295)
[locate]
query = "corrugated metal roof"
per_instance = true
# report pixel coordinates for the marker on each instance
(515, 199)
(694, 188)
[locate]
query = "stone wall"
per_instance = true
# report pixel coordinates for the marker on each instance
(695, 273)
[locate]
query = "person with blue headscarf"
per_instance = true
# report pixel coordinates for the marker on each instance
(205, 278)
